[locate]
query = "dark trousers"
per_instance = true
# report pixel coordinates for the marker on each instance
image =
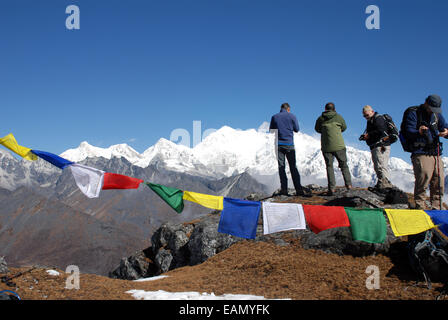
(341, 156)
(289, 153)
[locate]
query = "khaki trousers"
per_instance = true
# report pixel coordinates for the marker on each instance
(426, 173)
(380, 161)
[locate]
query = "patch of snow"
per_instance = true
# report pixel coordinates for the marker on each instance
(53, 273)
(150, 278)
(190, 295)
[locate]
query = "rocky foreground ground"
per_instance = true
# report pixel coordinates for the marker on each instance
(278, 267)
(256, 268)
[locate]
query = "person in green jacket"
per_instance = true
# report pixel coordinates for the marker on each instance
(331, 125)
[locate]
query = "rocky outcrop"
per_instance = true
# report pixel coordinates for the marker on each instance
(3, 266)
(177, 245)
(174, 246)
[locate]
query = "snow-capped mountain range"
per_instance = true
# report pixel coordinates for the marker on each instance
(223, 153)
(228, 151)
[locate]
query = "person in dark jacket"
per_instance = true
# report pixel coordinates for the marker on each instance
(331, 125)
(377, 139)
(423, 125)
(285, 124)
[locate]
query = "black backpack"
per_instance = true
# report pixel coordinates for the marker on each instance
(428, 256)
(392, 130)
(407, 145)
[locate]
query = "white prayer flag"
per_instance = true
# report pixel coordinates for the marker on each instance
(89, 180)
(279, 217)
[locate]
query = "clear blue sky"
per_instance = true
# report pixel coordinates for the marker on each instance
(136, 70)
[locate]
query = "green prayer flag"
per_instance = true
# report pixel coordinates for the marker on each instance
(172, 196)
(367, 225)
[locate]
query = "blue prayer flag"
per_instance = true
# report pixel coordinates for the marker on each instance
(52, 158)
(239, 218)
(440, 219)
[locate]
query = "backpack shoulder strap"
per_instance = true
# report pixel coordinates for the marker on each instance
(418, 112)
(419, 117)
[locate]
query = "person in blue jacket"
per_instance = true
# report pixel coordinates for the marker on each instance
(423, 126)
(285, 123)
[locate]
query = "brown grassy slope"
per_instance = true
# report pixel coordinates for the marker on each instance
(247, 267)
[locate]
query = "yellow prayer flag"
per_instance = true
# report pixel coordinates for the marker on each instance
(10, 142)
(406, 222)
(205, 200)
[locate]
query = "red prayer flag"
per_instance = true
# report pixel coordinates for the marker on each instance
(320, 218)
(119, 181)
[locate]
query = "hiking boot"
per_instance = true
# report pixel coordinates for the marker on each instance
(331, 192)
(303, 193)
(349, 187)
(284, 193)
(280, 193)
(379, 189)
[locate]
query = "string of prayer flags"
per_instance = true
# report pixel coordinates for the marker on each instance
(89, 180)
(239, 218)
(439, 218)
(9, 141)
(119, 181)
(320, 218)
(368, 225)
(172, 196)
(55, 160)
(406, 222)
(279, 217)
(205, 200)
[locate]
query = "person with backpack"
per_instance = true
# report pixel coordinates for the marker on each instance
(331, 125)
(421, 128)
(378, 139)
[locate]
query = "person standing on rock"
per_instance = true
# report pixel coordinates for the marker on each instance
(285, 124)
(331, 125)
(378, 140)
(421, 128)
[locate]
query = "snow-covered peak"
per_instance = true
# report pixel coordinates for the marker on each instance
(123, 150)
(173, 156)
(4, 154)
(85, 150)
(264, 127)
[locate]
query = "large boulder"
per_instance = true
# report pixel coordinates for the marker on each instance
(206, 241)
(169, 245)
(133, 267)
(177, 245)
(174, 246)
